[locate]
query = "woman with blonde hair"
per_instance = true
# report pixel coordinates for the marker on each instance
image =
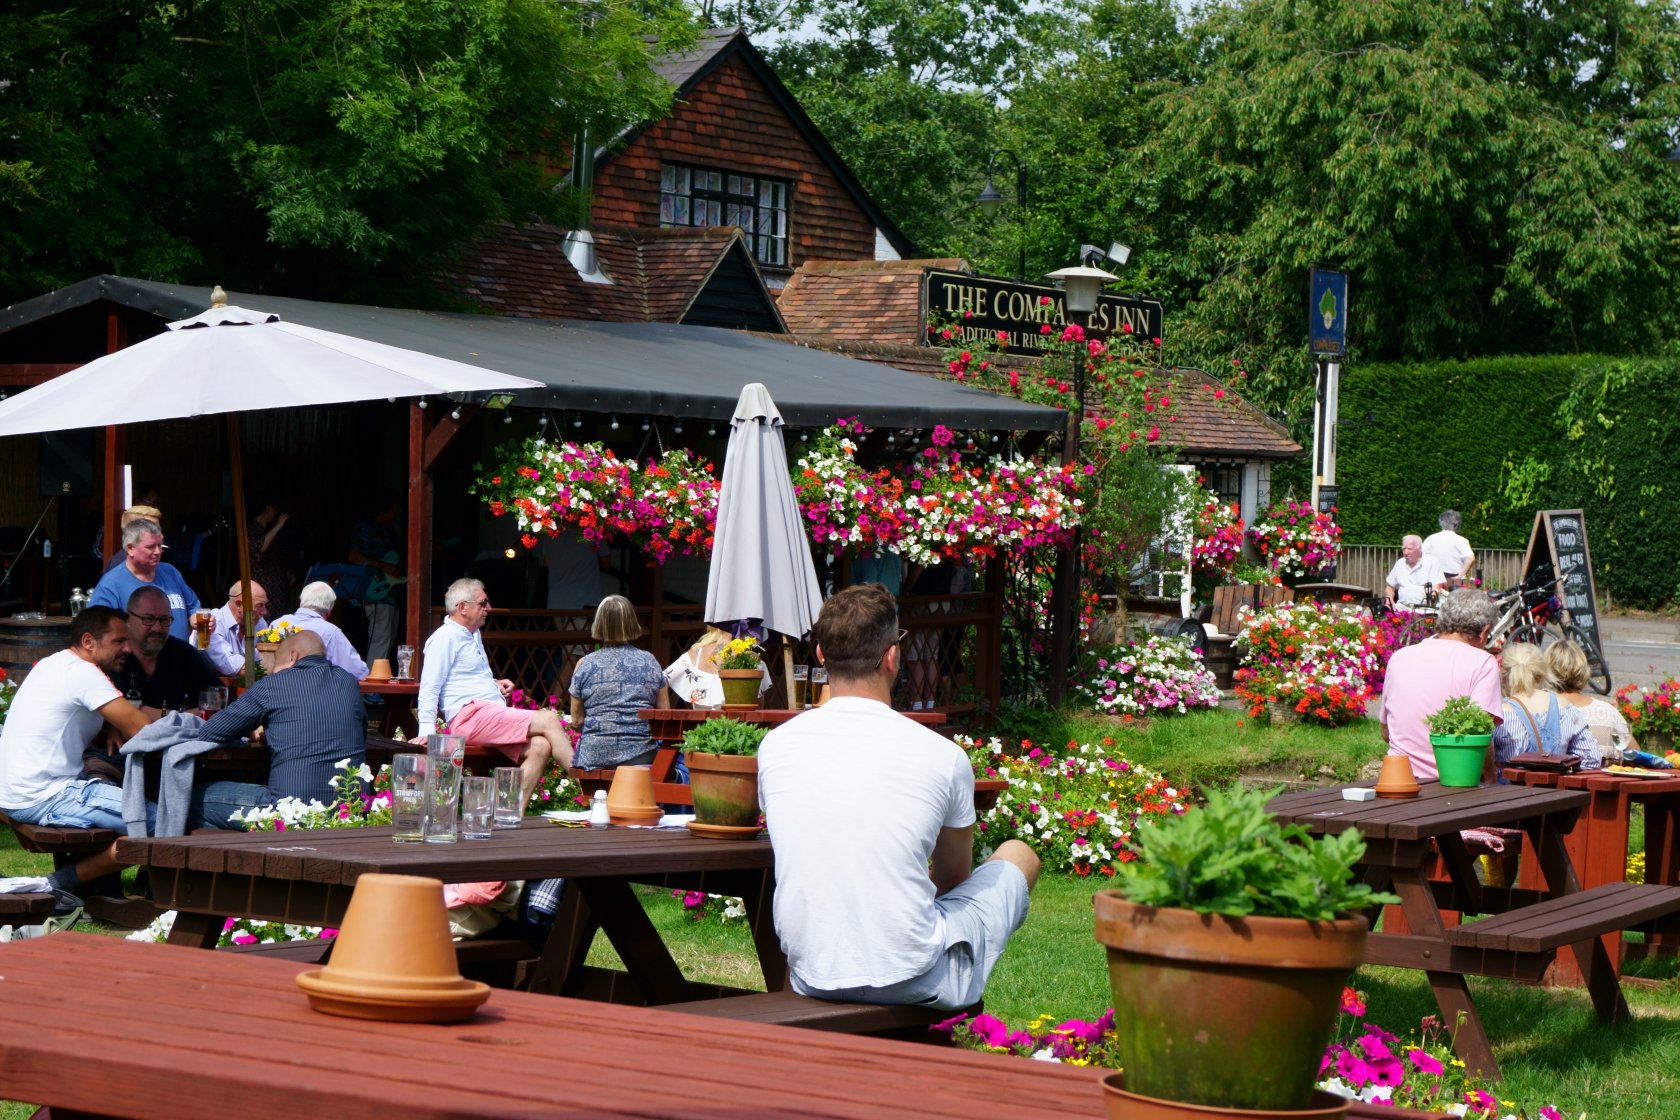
(1567, 664)
(610, 686)
(1532, 718)
(693, 676)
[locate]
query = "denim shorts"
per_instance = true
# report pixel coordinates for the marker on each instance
(979, 915)
(81, 803)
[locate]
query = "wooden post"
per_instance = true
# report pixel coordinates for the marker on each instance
(787, 671)
(419, 527)
(247, 618)
(116, 337)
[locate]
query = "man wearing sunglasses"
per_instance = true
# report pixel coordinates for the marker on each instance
(871, 816)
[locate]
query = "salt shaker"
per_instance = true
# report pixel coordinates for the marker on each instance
(598, 810)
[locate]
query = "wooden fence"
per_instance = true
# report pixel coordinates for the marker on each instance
(1367, 565)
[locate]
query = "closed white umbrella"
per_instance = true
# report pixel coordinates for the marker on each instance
(761, 557)
(230, 360)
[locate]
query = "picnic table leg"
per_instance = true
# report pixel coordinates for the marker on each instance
(197, 931)
(1597, 970)
(1662, 859)
(1452, 993)
(568, 943)
(757, 890)
(646, 958)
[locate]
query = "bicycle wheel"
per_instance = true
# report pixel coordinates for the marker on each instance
(1598, 670)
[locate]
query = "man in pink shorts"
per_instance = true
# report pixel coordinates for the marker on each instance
(456, 681)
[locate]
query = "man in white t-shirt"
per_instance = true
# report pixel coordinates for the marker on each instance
(1414, 575)
(1453, 551)
(56, 712)
(872, 820)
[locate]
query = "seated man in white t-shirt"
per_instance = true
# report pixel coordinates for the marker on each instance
(56, 712)
(1457, 558)
(872, 820)
(1415, 575)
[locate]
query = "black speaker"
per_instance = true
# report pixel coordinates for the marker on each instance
(65, 466)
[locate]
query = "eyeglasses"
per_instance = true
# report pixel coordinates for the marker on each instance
(152, 619)
(480, 602)
(879, 661)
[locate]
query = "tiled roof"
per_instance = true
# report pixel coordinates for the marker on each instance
(873, 310)
(656, 273)
(679, 68)
(858, 301)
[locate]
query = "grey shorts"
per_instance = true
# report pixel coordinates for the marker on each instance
(980, 914)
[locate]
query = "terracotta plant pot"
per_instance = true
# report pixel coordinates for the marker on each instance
(394, 958)
(1396, 778)
(725, 789)
(630, 797)
(740, 689)
(1228, 1012)
(1123, 1105)
(380, 670)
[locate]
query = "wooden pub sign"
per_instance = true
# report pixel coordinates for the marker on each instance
(980, 308)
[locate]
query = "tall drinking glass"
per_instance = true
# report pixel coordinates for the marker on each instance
(408, 798)
(819, 681)
(478, 807)
(801, 683)
(445, 755)
(509, 809)
(405, 663)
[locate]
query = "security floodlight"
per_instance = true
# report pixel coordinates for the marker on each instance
(1119, 253)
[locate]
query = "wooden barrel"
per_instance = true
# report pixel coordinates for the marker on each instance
(24, 641)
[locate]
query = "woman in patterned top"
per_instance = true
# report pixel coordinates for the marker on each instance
(610, 686)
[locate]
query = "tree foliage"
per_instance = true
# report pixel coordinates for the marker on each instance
(318, 145)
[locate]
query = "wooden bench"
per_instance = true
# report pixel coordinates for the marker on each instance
(64, 844)
(1522, 936)
(25, 906)
(788, 1009)
(496, 961)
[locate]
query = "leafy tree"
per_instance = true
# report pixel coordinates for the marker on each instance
(1491, 174)
(326, 145)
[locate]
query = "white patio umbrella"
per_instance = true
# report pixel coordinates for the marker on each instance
(231, 360)
(761, 558)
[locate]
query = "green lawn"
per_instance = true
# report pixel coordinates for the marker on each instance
(1552, 1048)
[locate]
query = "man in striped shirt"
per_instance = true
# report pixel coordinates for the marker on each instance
(311, 717)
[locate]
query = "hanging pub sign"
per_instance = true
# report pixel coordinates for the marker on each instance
(1327, 305)
(979, 308)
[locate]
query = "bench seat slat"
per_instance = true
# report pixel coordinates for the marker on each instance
(1570, 918)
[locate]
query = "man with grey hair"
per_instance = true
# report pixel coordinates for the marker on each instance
(1451, 550)
(1423, 677)
(315, 604)
(456, 682)
(144, 566)
(1415, 576)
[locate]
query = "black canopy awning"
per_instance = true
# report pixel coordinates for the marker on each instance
(655, 369)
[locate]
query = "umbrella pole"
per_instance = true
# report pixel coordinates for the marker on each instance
(787, 671)
(236, 461)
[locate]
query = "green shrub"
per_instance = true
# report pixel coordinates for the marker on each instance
(1460, 716)
(722, 735)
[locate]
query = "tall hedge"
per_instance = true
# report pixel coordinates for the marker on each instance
(1498, 438)
(1421, 437)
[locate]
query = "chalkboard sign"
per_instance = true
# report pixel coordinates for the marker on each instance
(1559, 539)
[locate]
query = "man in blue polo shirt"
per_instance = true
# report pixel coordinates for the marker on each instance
(144, 566)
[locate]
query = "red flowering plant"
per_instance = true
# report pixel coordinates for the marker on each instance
(955, 509)
(1371, 1064)
(1217, 544)
(1078, 808)
(673, 505)
(1394, 630)
(1295, 540)
(1651, 709)
(1316, 658)
(846, 507)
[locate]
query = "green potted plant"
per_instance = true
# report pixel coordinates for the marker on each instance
(1459, 733)
(742, 671)
(1229, 940)
(722, 758)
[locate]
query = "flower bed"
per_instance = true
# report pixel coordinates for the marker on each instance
(1295, 540)
(1651, 709)
(1316, 659)
(1396, 630)
(1078, 809)
(1158, 676)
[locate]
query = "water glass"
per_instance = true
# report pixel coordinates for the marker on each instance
(801, 684)
(510, 810)
(478, 807)
(408, 798)
(405, 662)
(212, 700)
(450, 747)
(445, 755)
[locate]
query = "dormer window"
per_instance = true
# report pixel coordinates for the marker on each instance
(700, 196)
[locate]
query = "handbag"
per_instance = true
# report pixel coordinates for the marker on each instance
(1551, 763)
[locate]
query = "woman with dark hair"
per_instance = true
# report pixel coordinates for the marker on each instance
(610, 686)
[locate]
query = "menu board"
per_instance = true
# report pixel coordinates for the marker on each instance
(1559, 538)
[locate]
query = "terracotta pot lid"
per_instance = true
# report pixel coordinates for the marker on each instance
(724, 831)
(635, 816)
(392, 1002)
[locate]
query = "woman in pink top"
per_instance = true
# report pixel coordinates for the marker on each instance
(1423, 677)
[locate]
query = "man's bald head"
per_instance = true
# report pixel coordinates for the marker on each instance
(298, 645)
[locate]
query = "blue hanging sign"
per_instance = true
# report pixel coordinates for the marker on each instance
(1327, 312)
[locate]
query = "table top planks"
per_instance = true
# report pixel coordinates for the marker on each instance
(538, 849)
(159, 1017)
(1436, 811)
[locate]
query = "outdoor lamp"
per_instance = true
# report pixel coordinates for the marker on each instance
(711, 429)
(455, 413)
(577, 421)
(422, 402)
(507, 418)
(991, 199)
(1081, 285)
(644, 425)
(677, 427)
(614, 424)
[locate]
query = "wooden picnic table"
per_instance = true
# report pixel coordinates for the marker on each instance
(1598, 844)
(400, 699)
(169, 1050)
(1532, 924)
(306, 877)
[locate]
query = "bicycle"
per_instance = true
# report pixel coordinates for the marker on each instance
(1530, 612)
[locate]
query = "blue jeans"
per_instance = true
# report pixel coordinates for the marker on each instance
(82, 803)
(214, 802)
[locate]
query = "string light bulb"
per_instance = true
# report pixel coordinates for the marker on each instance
(614, 424)
(711, 430)
(644, 425)
(422, 402)
(577, 421)
(507, 419)
(677, 427)
(455, 413)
